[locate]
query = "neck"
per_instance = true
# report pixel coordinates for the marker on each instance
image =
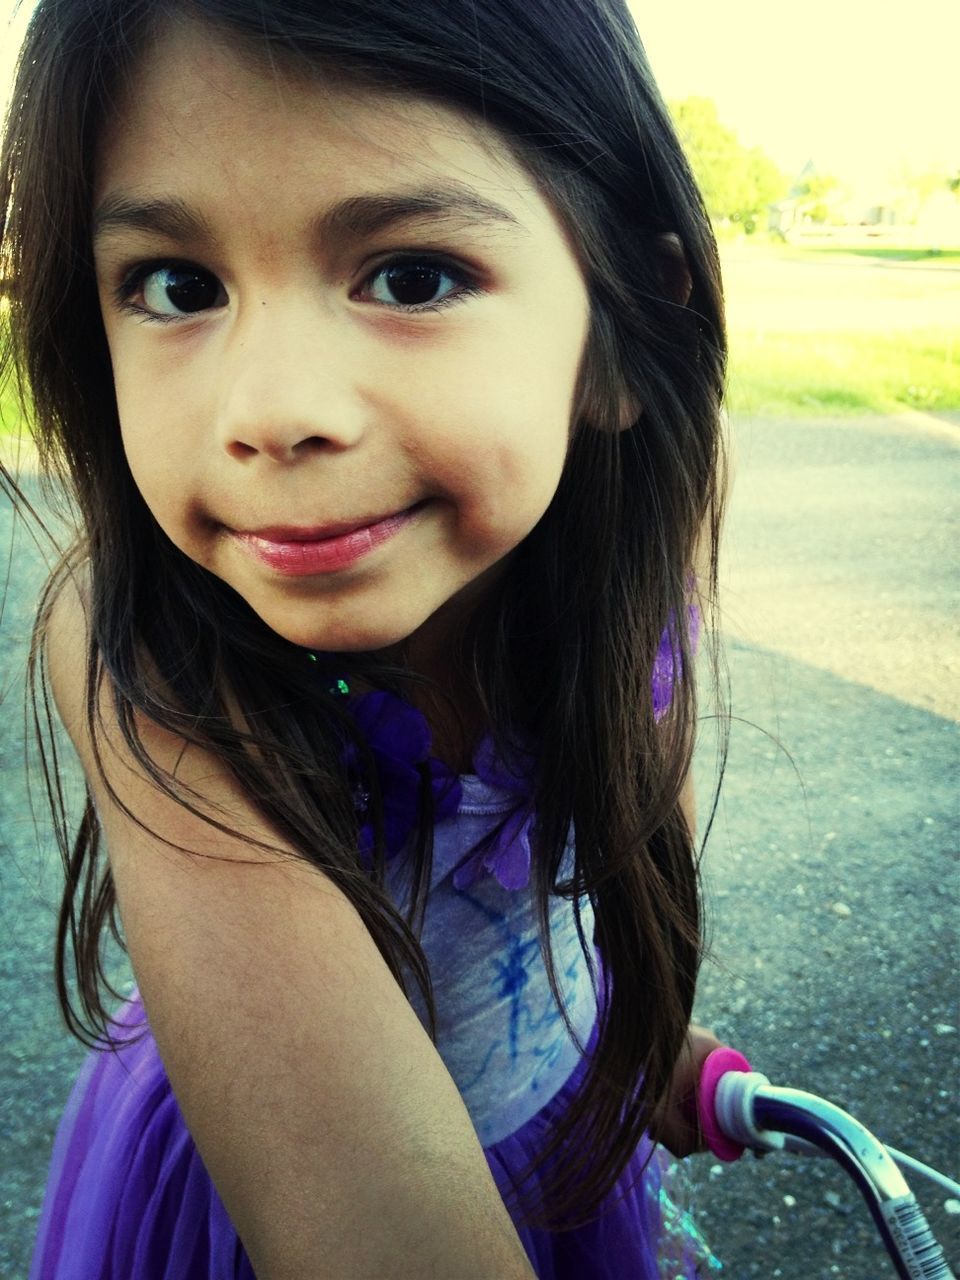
(456, 721)
(449, 702)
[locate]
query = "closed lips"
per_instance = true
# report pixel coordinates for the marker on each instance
(325, 547)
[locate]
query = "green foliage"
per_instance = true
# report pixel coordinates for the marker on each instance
(738, 183)
(817, 194)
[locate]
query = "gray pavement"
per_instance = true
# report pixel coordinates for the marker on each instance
(830, 871)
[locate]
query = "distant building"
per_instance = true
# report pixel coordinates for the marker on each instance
(819, 205)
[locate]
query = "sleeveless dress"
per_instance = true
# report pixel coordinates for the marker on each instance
(128, 1197)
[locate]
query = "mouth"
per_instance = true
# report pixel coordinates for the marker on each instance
(299, 551)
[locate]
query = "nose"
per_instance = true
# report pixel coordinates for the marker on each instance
(288, 388)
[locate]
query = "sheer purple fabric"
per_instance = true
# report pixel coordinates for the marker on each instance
(128, 1197)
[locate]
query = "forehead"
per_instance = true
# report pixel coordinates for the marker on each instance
(199, 106)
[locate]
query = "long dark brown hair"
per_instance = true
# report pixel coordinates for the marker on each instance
(563, 656)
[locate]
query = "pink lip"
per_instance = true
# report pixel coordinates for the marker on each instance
(300, 552)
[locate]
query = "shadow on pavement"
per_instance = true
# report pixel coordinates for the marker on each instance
(831, 889)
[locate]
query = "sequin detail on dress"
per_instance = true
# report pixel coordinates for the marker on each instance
(681, 1244)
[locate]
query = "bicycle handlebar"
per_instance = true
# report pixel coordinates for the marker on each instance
(739, 1108)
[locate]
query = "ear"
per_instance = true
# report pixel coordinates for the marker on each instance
(672, 267)
(603, 403)
(630, 411)
(677, 286)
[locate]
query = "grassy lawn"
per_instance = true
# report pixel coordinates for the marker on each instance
(879, 252)
(837, 372)
(829, 329)
(9, 404)
(9, 411)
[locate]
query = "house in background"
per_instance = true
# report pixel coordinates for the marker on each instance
(819, 204)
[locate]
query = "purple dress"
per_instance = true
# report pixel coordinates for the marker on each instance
(128, 1197)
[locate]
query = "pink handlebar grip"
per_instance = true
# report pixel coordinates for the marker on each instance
(717, 1064)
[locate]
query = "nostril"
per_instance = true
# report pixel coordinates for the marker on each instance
(277, 449)
(312, 444)
(237, 449)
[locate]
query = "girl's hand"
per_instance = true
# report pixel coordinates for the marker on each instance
(676, 1126)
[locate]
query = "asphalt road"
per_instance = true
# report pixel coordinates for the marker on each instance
(830, 871)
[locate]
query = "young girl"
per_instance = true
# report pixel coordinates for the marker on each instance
(380, 343)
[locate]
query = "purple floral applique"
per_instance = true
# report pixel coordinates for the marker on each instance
(505, 853)
(399, 739)
(668, 660)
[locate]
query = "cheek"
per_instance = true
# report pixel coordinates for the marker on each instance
(505, 484)
(159, 418)
(161, 454)
(152, 455)
(498, 439)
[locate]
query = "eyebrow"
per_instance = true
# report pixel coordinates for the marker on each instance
(365, 215)
(357, 216)
(171, 218)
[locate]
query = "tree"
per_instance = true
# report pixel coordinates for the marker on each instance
(818, 194)
(737, 183)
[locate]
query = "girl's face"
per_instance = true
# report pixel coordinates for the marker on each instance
(346, 331)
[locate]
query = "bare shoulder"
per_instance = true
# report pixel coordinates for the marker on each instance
(65, 636)
(118, 777)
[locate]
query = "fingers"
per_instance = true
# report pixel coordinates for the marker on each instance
(676, 1126)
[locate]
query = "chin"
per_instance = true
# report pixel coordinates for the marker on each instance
(328, 637)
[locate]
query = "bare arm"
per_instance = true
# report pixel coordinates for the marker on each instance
(688, 804)
(329, 1124)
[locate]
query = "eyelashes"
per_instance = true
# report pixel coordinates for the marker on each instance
(415, 281)
(168, 290)
(165, 290)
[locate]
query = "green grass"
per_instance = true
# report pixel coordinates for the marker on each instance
(9, 411)
(888, 253)
(880, 250)
(804, 374)
(9, 403)
(833, 328)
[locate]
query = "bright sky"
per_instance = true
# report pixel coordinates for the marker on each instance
(859, 86)
(862, 87)
(11, 33)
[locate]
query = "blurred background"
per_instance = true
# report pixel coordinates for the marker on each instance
(825, 139)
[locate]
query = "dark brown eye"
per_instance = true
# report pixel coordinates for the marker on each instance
(417, 284)
(414, 285)
(176, 290)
